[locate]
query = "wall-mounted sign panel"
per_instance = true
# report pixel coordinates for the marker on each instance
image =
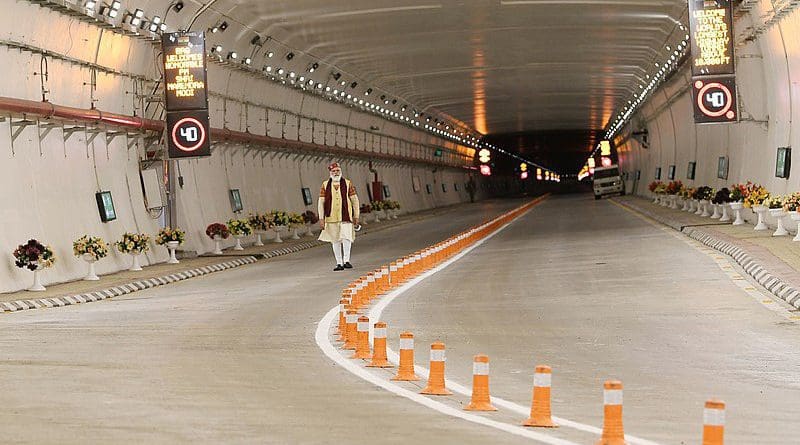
(711, 26)
(105, 204)
(188, 134)
(185, 84)
(783, 164)
(714, 99)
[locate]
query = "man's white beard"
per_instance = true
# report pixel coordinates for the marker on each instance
(336, 178)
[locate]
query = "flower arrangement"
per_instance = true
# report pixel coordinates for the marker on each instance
(279, 218)
(168, 234)
(653, 185)
(239, 227)
(133, 243)
(660, 189)
(774, 202)
(218, 229)
(259, 221)
(674, 187)
(755, 195)
(378, 205)
(311, 218)
(366, 208)
(722, 196)
(33, 255)
(791, 203)
(704, 193)
(90, 245)
(738, 192)
(686, 192)
(296, 219)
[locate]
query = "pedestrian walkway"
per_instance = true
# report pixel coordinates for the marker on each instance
(762, 255)
(126, 281)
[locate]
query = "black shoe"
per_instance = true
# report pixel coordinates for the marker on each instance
(347, 265)
(338, 268)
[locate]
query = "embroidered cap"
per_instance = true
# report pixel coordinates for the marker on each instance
(334, 165)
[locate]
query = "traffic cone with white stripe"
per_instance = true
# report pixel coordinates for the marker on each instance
(342, 325)
(714, 422)
(379, 347)
(540, 405)
(351, 330)
(405, 371)
(613, 433)
(481, 400)
(436, 374)
(362, 339)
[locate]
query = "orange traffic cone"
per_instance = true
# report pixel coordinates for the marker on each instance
(393, 277)
(342, 320)
(350, 333)
(379, 347)
(540, 406)
(436, 375)
(480, 385)
(405, 371)
(714, 422)
(613, 433)
(362, 339)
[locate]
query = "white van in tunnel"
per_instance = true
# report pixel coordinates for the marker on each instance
(607, 181)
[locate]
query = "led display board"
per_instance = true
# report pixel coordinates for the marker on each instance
(783, 164)
(711, 26)
(105, 204)
(185, 71)
(714, 99)
(188, 134)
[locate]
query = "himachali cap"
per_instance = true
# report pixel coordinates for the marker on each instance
(333, 165)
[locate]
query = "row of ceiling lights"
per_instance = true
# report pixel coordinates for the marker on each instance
(662, 70)
(137, 20)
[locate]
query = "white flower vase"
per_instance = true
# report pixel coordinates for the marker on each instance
(717, 214)
(309, 230)
(37, 281)
(685, 205)
(238, 245)
(377, 216)
(761, 211)
(259, 242)
(737, 210)
(726, 216)
(135, 266)
(673, 202)
(90, 260)
(699, 209)
(704, 205)
(779, 214)
(294, 233)
(278, 230)
(217, 246)
(172, 246)
(394, 214)
(796, 218)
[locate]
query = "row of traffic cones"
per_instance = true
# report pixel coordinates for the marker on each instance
(353, 331)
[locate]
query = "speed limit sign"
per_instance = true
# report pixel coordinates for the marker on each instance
(714, 99)
(188, 134)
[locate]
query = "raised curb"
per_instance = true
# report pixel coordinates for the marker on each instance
(773, 284)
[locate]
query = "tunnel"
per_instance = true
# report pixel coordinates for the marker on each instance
(454, 221)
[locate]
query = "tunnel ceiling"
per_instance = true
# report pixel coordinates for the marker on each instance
(499, 66)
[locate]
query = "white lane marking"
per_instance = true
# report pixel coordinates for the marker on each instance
(323, 340)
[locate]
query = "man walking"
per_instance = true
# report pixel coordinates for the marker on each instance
(338, 208)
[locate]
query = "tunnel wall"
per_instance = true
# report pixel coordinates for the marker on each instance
(51, 180)
(767, 77)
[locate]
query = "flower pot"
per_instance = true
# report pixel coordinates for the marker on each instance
(737, 210)
(377, 214)
(238, 239)
(704, 208)
(217, 248)
(726, 216)
(779, 214)
(685, 206)
(278, 230)
(135, 266)
(655, 199)
(673, 202)
(394, 214)
(294, 233)
(171, 246)
(90, 259)
(760, 211)
(796, 218)
(717, 214)
(259, 242)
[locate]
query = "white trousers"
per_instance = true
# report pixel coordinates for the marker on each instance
(338, 247)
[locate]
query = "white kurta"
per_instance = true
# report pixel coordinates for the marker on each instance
(335, 229)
